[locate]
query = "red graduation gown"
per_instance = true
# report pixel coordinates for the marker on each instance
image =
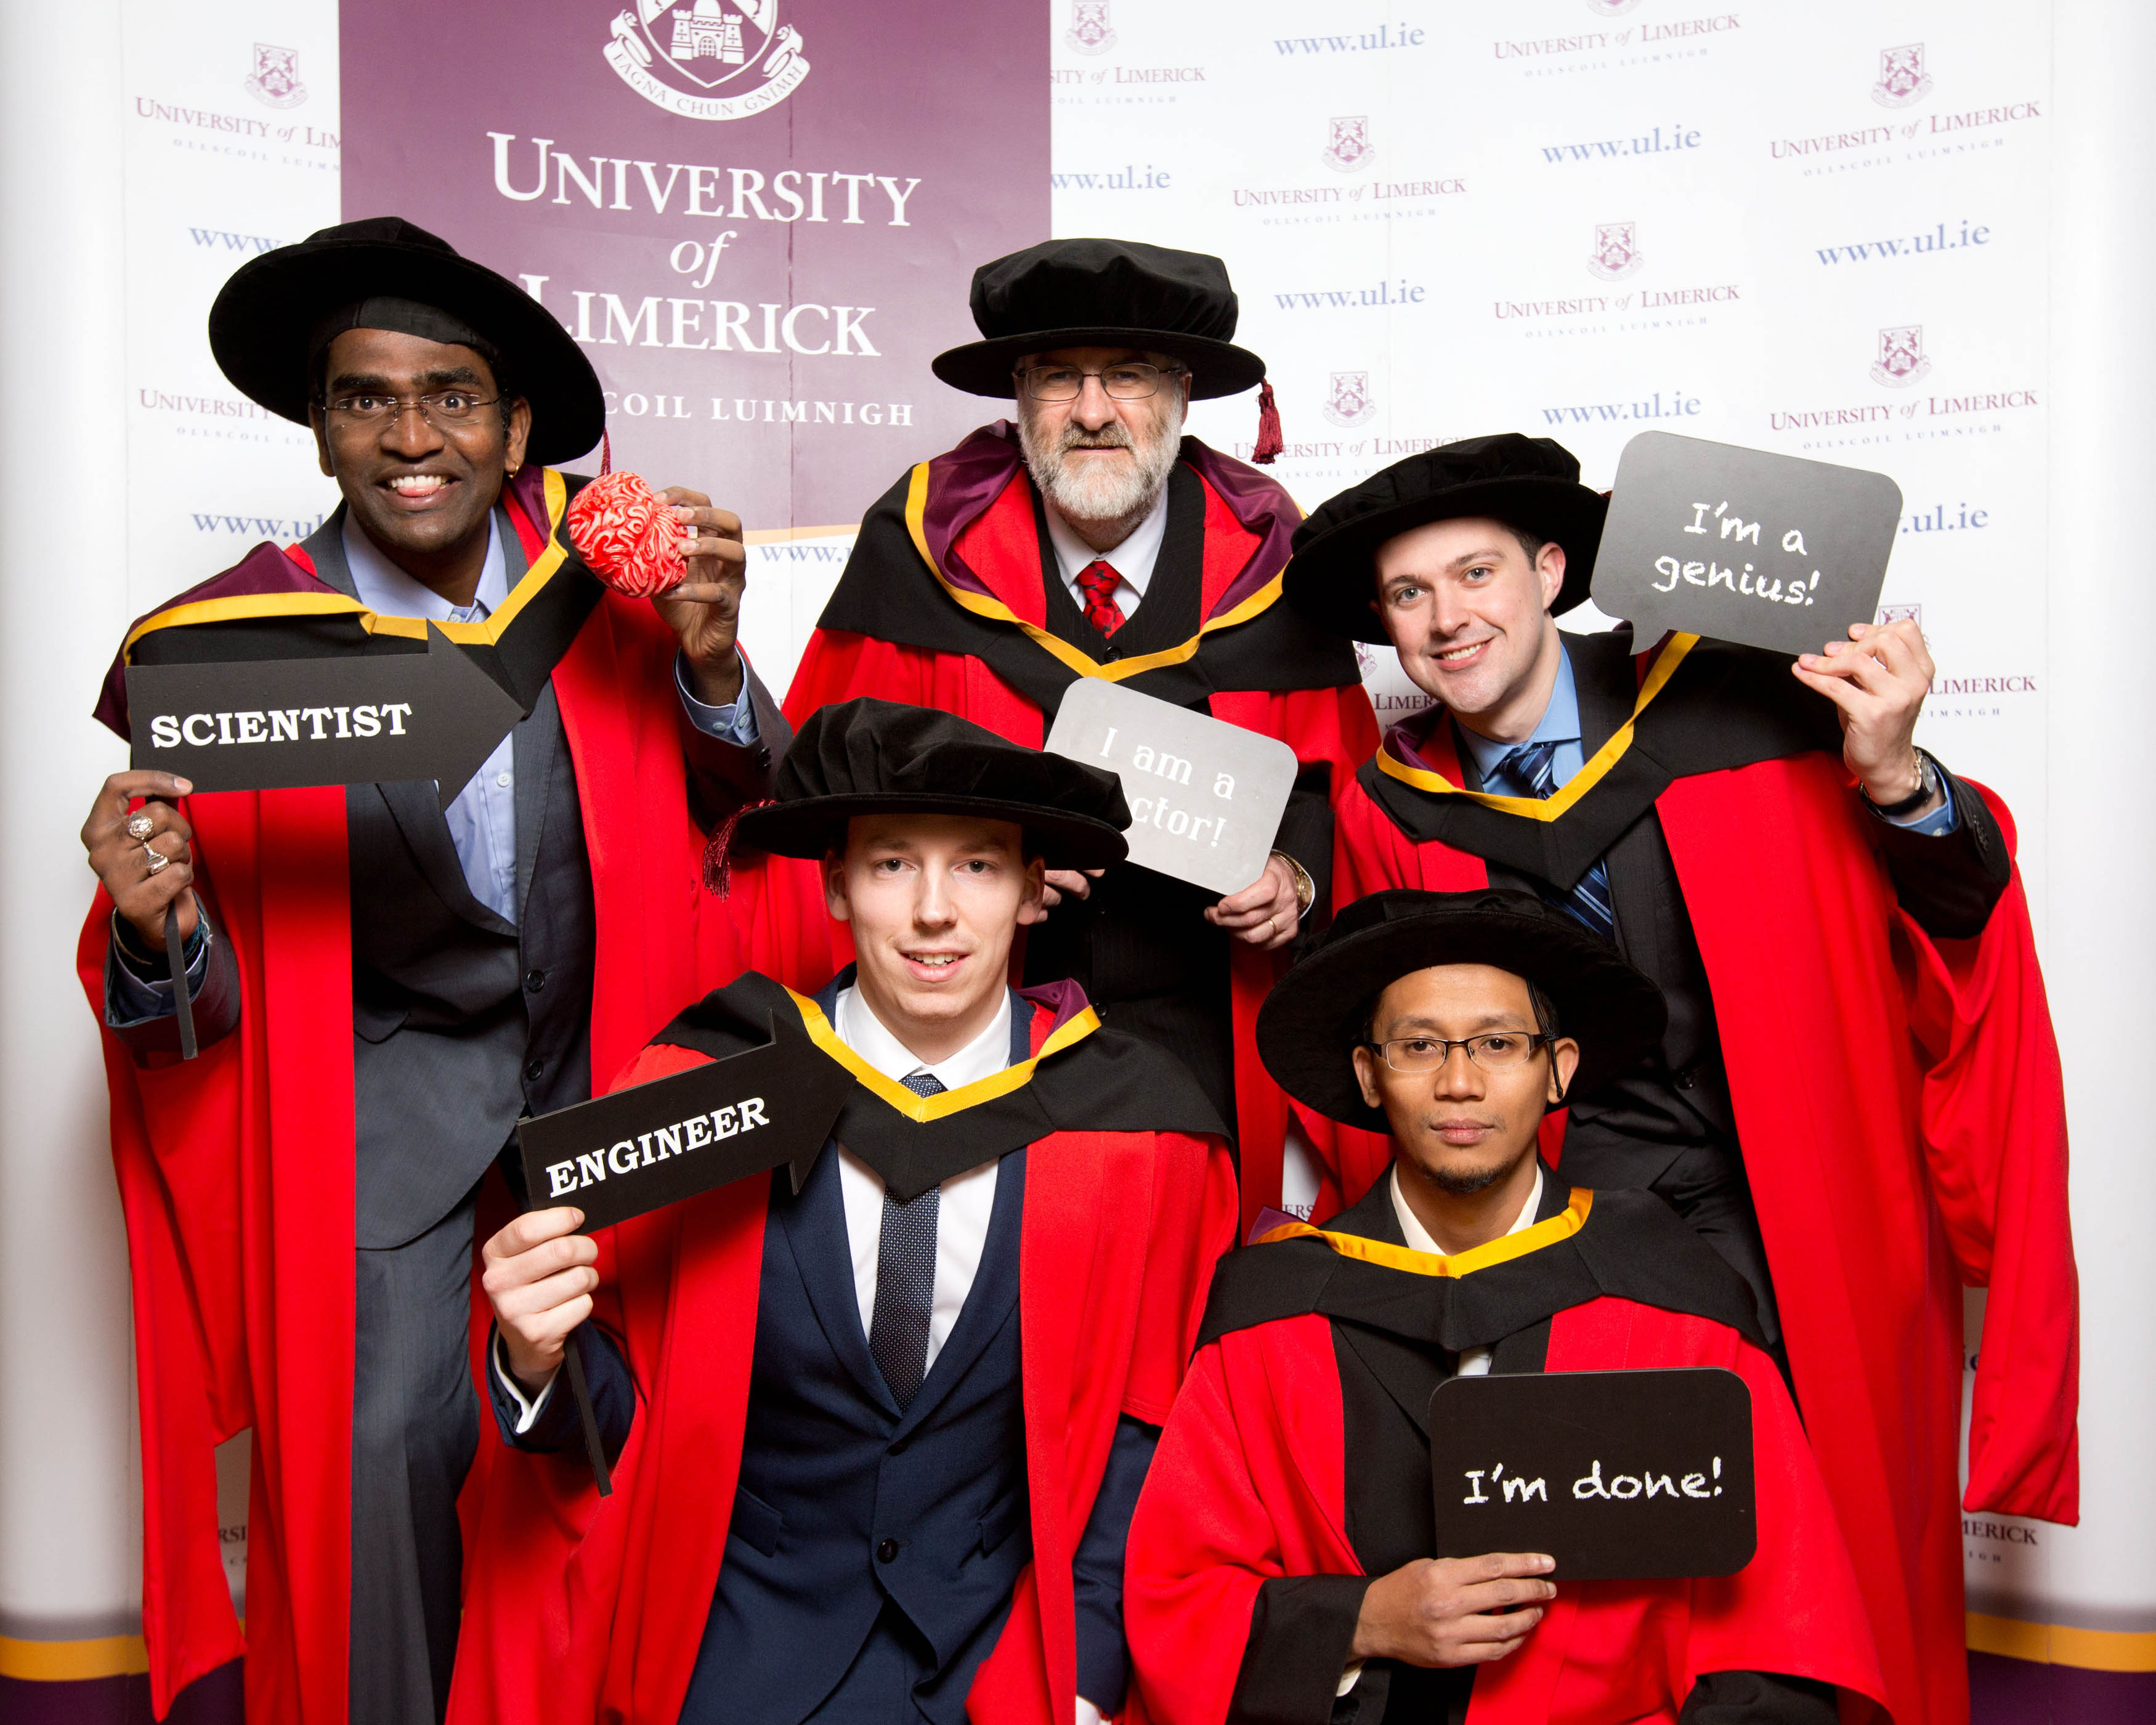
(1249, 1484)
(969, 516)
(1899, 1104)
(235, 1168)
(582, 1608)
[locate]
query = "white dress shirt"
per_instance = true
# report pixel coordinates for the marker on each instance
(1133, 559)
(962, 1216)
(1474, 1362)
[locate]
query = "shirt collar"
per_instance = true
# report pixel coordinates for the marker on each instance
(1418, 1237)
(1133, 559)
(862, 1031)
(1560, 721)
(385, 588)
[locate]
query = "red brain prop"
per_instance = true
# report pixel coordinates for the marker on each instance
(629, 537)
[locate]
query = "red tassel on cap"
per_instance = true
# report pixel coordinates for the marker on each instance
(718, 855)
(1268, 443)
(606, 453)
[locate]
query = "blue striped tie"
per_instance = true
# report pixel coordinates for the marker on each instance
(1531, 770)
(905, 1279)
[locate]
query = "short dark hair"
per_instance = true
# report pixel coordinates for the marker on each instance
(1531, 543)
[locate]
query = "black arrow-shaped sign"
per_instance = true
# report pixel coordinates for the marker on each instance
(617, 1155)
(357, 719)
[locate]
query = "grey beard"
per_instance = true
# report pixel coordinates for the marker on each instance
(1103, 497)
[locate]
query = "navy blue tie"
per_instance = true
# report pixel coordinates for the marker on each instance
(905, 1279)
(1532, 772)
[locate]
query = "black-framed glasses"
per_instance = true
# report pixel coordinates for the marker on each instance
(1493, 1051)
(1133, 380)
(454, 408)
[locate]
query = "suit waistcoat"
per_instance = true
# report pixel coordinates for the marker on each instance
(846, 1504)
(462, 1021)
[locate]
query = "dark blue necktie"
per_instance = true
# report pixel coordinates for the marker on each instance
(1531, 771)
(905, 1279)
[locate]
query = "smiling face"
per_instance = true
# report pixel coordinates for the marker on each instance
(1461, 1127)
(1467, 608)
(933, 903)
(421, 491)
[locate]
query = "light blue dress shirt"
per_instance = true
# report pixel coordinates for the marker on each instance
(1560, 725)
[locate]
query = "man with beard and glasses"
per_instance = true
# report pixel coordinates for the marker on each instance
(1092, 539)
(382, 986)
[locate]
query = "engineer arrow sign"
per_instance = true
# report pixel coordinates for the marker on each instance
(270, 724)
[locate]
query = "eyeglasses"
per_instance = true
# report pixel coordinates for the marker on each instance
(1494, 1051)
(454, 407)
(1133, 381)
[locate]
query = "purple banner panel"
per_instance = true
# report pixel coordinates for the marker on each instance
(761, 217)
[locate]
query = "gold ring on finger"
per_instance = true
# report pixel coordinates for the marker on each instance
(156, 861)
(139, 826)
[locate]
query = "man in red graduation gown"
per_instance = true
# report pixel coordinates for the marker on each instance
(1282, 1564)
(1091, 539)
(382, 986)
(881, 1425)
(1839, 929)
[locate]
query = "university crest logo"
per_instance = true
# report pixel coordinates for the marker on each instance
(706, 59)
(276, 81)
(1610, 8)
(1349, 148)
(1350, 402)
(1903, 79)
(1616, 253)
(1900, 361)
(1090, 32)
(1900, 613)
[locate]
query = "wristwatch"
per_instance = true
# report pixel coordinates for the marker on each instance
(1929, 785)
(1305, 889)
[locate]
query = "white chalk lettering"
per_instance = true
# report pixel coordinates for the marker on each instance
(1475, 1478)
(1589, 1485)
(1518, 1490)
(1793, 541)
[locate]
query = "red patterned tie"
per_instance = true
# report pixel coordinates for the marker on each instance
(1098, 582)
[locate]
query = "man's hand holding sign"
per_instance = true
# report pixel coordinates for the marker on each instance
(1206, 798)
(1776, 551)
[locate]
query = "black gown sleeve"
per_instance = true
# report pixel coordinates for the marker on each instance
(1302, 1628)
(725, 778)
(558, 1429)
(1758, 1698)
(1305, 833)
(213, 989)
(1948, 882)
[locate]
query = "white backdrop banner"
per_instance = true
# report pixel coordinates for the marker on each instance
(1820, 230)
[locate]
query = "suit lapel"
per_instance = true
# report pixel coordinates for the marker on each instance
(813, 1224)
(539, 757)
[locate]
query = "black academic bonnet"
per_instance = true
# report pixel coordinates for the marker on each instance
(280, 310)
(1527, 482)
(1103, 293)
(1318, 1011)
(870, 756)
